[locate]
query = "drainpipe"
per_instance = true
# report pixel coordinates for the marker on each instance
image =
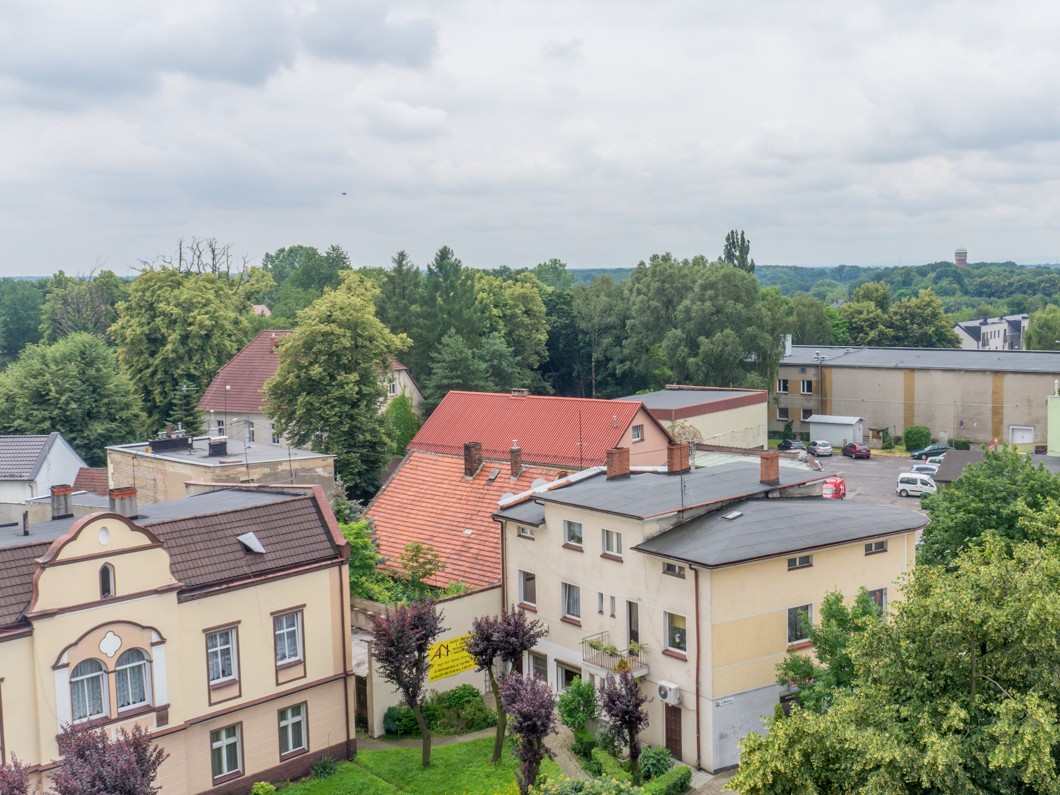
(344, 601)
(699, 754)
(820, 389)
(504, 571)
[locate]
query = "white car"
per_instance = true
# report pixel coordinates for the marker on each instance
(912, 484)
(936, 460)
(925, 469)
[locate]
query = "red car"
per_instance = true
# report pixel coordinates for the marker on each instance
(835, 489)
(857, 450)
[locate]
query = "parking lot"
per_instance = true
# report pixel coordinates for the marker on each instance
(872, 479)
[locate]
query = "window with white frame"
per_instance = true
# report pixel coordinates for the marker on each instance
(801, 562)
(275, 436)
(572, 601)
(524, 532)
(250, 432)
(572, 532)
(782, 414)
(807, 387)
(88, 690)
(600, 603)
(875, 546)
(879, 598)
(613, 607)
(612, 541)
(226, 751)
(292, 729)
(132, 680)
(220, 425)
(221, 656)
(539, 666)
(674, 570)
(288, 629)
(391, 387)
(800, 621)
(528, 588)
(782, 385)
(676, 632)
(638, 433)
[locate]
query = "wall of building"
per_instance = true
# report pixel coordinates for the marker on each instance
(651, 449)
(59, 468)
(745, 426)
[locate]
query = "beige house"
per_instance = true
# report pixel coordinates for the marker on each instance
(710, 415)
(698, 581)
(219, 622)
(983, 395)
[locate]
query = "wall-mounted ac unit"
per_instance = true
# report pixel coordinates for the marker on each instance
(669, 693)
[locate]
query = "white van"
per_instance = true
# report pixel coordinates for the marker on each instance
(911, 484)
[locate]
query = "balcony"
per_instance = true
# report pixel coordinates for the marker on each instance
(601, 654)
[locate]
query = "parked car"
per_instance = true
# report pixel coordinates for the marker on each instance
(931, 450)
(791, 444)
(925, 469)
(911, 484)
(936, 460)
(835, 488)
(819, 448)
(857, 450)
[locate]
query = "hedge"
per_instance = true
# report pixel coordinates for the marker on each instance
(961, 444)
(673, 782)
(916, 437)
(602, 765)
(584, 742)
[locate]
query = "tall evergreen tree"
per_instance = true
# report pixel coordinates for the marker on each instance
(455, 365)
(400, 295)
(737, 252)
(21, 303)
(448, 304)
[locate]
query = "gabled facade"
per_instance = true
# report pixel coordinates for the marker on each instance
(697, 581)
(1003, 333)
(218, 622)
(31, 465)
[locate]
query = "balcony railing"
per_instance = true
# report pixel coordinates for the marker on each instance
(601, 652)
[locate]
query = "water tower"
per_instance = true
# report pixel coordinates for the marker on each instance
(961, 257)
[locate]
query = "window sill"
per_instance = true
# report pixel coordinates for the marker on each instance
(525, 538)
(802, 644)
(677, 655)
(636, 441)
(674, 574)
(796, 568)
(525, 606)
(293, 754)
(289, 664)
(575, 621)
(609, 556)
(227, 777)
(575, 547)
(877, 552)
(224, 683)
(134, 712)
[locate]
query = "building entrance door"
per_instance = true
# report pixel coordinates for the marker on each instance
(673, 730)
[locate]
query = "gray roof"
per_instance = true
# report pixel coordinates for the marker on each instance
(925, 359)
(646, 494)
(21, 457)
(530, 512)
(769, 528)
(682, 398)
(956, 461)
(85, 498)
(238, 453)
(835, 419)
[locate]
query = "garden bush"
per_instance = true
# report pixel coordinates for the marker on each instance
(456, 711)
(654, 761)
(603, 765)
(674, 782)
(961, 444)
(584, 743)
(263, 788)
(577, 704)
(400, 720)
(610, 740)
(592, 786)
(916, 437)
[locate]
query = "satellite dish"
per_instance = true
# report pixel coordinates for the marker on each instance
(538, 482)
(506, 496)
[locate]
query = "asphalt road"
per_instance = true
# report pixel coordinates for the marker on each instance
(872, 479)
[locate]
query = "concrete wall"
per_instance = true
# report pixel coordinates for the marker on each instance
(745, 426)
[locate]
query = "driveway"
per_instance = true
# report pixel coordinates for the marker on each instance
(872, 479)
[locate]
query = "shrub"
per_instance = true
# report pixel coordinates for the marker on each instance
(675, 782)
(788, 432)
(916, 437)
(610, 740)
(584, 743)
(577, 703)
(457, 711)
(400, 720)
(324, 767)
(263, 788)
(607, 765)
(592, 786)
(655, 760)
(459, 696)
(475, 716)
(961, 444)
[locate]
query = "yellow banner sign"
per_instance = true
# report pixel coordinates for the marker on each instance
(449, 657)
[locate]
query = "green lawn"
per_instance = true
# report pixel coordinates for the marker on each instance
(457, 769)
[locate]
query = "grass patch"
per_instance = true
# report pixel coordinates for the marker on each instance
(350, 779)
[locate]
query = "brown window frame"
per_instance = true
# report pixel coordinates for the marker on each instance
(305, 732)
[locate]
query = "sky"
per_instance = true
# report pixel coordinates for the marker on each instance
(598, 133)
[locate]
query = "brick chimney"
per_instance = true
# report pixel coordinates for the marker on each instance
(472, 458)
(123, 501)
(517, 459)
(61, 507)
(275, 342)
(771, 468)
(617, 463)
(677, 456)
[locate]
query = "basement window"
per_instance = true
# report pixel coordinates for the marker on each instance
(801, 562)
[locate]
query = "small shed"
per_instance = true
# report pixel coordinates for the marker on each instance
(836, 430)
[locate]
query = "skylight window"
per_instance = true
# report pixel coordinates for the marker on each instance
(250, 543)
(733, 515)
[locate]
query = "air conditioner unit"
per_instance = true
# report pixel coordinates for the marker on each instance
(669, 693)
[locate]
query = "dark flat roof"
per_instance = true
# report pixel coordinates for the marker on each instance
(530, 512)
(956, 461)
(768, 528)
(238, 453)
(645, 494)
(682, 398)
(925, 358)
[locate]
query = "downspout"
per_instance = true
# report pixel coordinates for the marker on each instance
(699, 754)
(504, 570)
(344, 601)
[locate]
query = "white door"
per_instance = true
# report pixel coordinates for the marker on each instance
(1021, 434)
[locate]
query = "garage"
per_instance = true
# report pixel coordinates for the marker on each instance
(836, 430)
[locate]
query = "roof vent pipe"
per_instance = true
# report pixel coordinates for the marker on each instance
(61, 501)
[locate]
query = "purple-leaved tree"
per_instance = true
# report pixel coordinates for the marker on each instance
(531, 704)
(14, 780)
(501, 639)
(623, 702)
(402, 643)
(90, 763)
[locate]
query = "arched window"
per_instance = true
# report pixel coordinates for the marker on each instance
(106, 581)
(88, 690)
(132, 679)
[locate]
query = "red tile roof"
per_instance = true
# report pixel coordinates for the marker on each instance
(93, 480)
(561, 431)
(429, 500)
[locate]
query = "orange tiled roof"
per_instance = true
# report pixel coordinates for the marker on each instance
(429, 500)
(92, 480)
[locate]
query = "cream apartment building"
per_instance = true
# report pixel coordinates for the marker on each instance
(715, 572)
(218, 622)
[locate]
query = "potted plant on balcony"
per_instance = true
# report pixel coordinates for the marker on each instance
(636, 649)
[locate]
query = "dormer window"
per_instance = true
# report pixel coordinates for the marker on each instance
(106, 581)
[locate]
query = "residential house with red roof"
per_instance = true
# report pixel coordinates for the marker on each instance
(234, 401)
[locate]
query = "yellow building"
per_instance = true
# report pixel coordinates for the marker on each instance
(698, 581)
(710, 415)
(219, 622)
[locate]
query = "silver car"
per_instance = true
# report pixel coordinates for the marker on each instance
(925, 469)
(819, 448)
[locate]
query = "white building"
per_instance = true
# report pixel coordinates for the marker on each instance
(993, 333)
(837, 431)
(31, 465)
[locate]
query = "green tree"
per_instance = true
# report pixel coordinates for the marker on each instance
(500, 363)
(921, 323)
(455, 365)
(955, 693)
(176, 328)
(577, 704)
(515, 311)
(75, 387)
(875, 293)
(400, 294)
(554, 274)
(318, 271)
(284, 262)
(737, 252)
(990, 495)
(404, 422)
(865, 323)
(1043, 331)
(88, 305)
(21, 303)
(598, 309)
(327, 391)
(448, 305)
(812, 325)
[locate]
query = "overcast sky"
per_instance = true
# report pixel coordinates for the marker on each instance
(866, 133)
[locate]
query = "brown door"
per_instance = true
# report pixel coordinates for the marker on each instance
(673, 730)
